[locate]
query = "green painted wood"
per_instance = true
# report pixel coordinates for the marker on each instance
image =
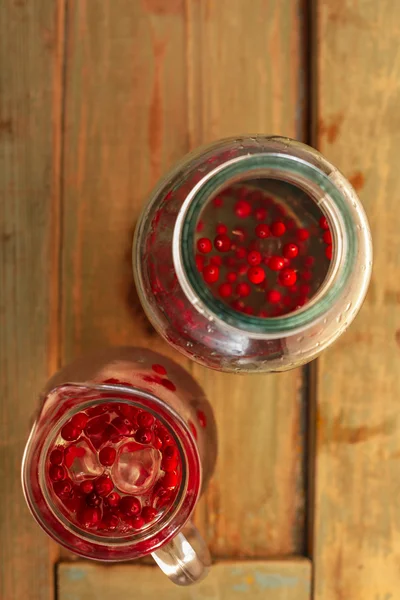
(258, 580)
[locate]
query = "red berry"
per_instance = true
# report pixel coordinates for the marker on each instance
(248, 310)
(238, 305)
(221, 228)
(276, 263)
(211, 274)
(328, 252)
(218, 201)
(57, 473)
(89, 517)
(56, 456)
(304, 289)
(202, 418)
(145, 419)
(327, 237)
(306, 275)
(302, 234)
(242, 209)
(225, 290)
(97, 425)
(290, 250)
(323, 223)
(63, 488)
(309, 261)
(107, 456)
(93, 499)
(159, 369)
(199, 226)
(144, 435)
(287, 277)
(260, 214)
(273, 296)
(240, 253)
(216, 260)
(86, 486)
(204, 245)
(168, 384)
(137, 522)
(70, 433)
(71, 453)
(170, 480)
(231, 276)
(149, 513)
(278, 228)
(243, 289)
(113, 499)
(110, 521)
(129, 506)
(169, 464)
(256, 275)
(200, 262)
(157, 443)
(242, 270)
(222, 243)
(103, 485)
(254, 257)
(262, 231)
(80, 420)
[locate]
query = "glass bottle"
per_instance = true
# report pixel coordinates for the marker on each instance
(305, 229)
(123, 445)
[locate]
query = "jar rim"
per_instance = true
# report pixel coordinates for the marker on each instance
(332, 192)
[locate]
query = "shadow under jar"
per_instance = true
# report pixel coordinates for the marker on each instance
(252, 254)
(123, 445)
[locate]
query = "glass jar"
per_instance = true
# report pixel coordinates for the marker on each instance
(122, 447)
(305, 188)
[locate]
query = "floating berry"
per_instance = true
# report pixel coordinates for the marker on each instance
(273, 296)
(70, 433)
(89, 517)
(309, 261)
(260, 214)
(222, 243)
(256, 275)
(113, 499)
(240, 253)
(211, 273)
(56, 456)
(304, 289)
(262, 231)
(225, 290)
(248, 310)
(243, 289)
(143, 435)
(221, 228)
(80, 420)
(216, 260)
(287, 277)
(306, 275)
(200, 262)
(278, 228)
(218, 201)
(254, 257)
(137, 522)
(290, 250)
(149, 514)
(302, 234)
(204, 245)
(57, 473)
(103, 485)
(110, 521)
(276, 263)
(242, 209)
(199, 226)
(327, 237)
(63, 488)
(328, 252)
(86, 486)
(323, 223)
(129, 506)
(231, 276)
(145, 419)
(170, 480)
(107, 456)
(93, 499)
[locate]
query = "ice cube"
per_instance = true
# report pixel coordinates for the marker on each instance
(136, 468)
(83, 460)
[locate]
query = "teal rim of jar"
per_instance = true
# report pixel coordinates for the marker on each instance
(252, 166)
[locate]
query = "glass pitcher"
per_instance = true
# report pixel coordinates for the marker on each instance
(122, 447)
(252, 254)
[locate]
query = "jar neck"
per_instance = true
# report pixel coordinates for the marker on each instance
(76, 398)
(331, 193)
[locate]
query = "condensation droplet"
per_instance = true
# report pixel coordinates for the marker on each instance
(348, 306)
(210, 328)
(339, 318)
(300, 339)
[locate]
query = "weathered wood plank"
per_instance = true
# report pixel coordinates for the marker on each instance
(245, 75)
(357, 520)
(146, 80)
(258, 580)
(31, 45)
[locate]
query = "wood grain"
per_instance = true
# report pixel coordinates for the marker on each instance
(31, 44)
(245, 74)
(357, 518)
(146, 81)
(258, 580)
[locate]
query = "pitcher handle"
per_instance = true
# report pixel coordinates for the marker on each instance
(186, 558)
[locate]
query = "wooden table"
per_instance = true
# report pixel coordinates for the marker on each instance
(98, 99)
